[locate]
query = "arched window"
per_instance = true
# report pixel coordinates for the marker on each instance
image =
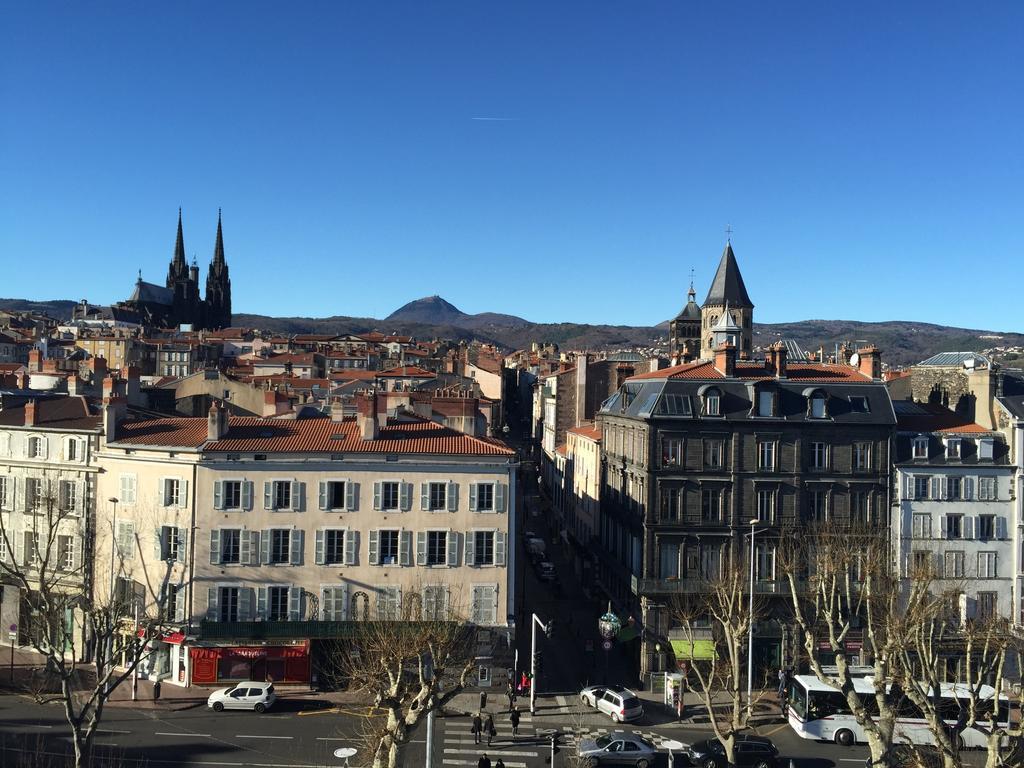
(817, 403)
(711, 399)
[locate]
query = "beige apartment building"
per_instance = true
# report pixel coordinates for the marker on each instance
(261, 540)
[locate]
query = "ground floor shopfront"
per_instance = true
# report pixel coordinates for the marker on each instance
(269, 663)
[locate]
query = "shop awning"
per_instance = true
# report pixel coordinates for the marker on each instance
(697, 650)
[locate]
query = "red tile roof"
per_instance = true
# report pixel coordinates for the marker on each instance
(593, 433)
(939, 419)
(407, 370)
(705, 369)
(298, 358)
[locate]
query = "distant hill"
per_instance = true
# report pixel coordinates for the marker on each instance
(901, 342)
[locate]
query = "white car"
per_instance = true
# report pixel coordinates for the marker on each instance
(620, 704)
(247, 695)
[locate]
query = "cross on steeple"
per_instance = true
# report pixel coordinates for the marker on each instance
(728, 233)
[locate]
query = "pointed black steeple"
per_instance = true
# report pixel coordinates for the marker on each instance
(727, 287)
(218, 248)
(218, 285)
(178, 270)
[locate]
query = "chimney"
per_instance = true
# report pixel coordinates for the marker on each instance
(687, 354)
(30, 413)
(870, 362)
(98, 366)
(337, 410)
(216, 421)
(114, 410)
(622, 372)
(366, 416)
(775, 359)
(35, 360)
(725, 359)
(132, 391)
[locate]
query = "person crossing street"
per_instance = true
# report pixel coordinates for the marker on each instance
(514, 719)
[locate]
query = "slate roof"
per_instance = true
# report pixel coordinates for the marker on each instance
(804, 372)
(728, 283)
(948, 359)
(937, 423)
(930, 417)
(71, 413)
(1012, 398)
(152, 293)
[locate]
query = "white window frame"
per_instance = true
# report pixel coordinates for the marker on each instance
(765, 402)
(767, 451)
(988, 564)
(820, 455)
(128, 488)
(920, 447)
(921, 525)
(953, 447)
(492, 611)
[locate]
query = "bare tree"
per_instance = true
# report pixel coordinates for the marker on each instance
(49, 560)
(722, 608)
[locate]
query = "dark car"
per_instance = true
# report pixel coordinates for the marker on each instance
(754, 751)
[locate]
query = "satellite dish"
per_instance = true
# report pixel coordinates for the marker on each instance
(855, 360)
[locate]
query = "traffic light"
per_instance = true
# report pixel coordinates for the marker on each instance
(549, 629)
(555, 749)
(536, 662)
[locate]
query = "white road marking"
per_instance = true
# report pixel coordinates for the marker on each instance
(244, 736)
(110, 730)
(446, 761)
(489, 751)
(561, 701)
(179, 733)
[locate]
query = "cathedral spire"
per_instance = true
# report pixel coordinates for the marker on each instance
(179, 247)
(218, 248)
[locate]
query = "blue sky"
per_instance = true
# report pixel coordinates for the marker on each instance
(868, 156)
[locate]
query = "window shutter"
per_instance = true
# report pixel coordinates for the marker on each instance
(499, 497)
(218, 494)
(351, 496)
(44, 447)
(320, 534)
(261, 603)
(247, 495)
(215, 546)
(1001, 527)
(294, 603)
(351, 547)
(469, 547)
(295, 545)
(405, 548)
(908, 486)
(453, 497)
(245, 547)
(327, 604)
(472, 497)
(421, 547)
(183, 493)
(19, 549)
(499, 547)
(162, 492)
(79, 547)
(968, 526)
(942, 527)
(158, 544)
(182, 544)
(268, 495)
(211, 604)
(453, 549)
(936, 489)
(298, 494)
(179, 605)
(374, 547)
(245, 604)
(967, 488)
(323, 495)
(405, 496)
(376, 494)
(265, 547)
(424, 496)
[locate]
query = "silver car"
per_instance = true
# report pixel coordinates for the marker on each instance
(620, 704)
(617, 748)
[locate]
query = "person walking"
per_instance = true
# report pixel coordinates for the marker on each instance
(491, 730)
(476, 728)
(514, 719)
(500, 763)
(783, 681)
(484, 762)
(510, 691)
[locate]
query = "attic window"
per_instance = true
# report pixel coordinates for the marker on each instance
(986, 448)
(921, 447)
(859, 404)
(765, 402)
(953, 448)
(818, 410)
(712, 402)
(676, 405)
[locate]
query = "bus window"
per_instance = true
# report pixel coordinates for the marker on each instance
(797, 699)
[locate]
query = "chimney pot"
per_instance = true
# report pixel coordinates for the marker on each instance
(30, 413)
(725, 359)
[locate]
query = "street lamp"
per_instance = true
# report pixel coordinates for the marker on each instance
(534, 623)
(608, 627)
(750, 619)
(113, 544)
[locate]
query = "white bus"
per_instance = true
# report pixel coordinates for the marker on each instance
(818, 711)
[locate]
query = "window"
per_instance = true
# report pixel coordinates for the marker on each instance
(231, 491)
(764, 561)
(438, 497)
(334, 547)
(33, 494)
(954, 526)
(819, 455)
(672, 452)
(713, 452)
(282, 490)
(987, 602)
(483, 547)
(817, 505)
(227, 604)
(953, 565)
(5, 492)
(987, 565)
(36, 448)
(986, 488)
(388, 543)
(669, 565)
(435, 603)
(766, 455)
(65, 553)
(765, 403)
(389, 496)
(485, 497)
(766, 505)
(170, 543)
(335, 494)
(986, 527)
(711, 561)
(860, 507)
(172, 496)
(818, 406)
(230, 546)
(389, 603)
(280, 546)
(953, 448)
(921, 484)
(922, 525)
(68, 491)
(669, 511)
(861, 456)
(954, 488)
(127, 489)
(174, 606)
(277, 603)
(72, 450)
(711, 505)
(437, 548)
(31, 548)
(675, 405)
(920, 563)
(125, 539)
(920, 447)
(712, 403)
(483, 606)
(986, 448)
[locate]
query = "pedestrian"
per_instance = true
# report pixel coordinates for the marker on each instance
(483, 699)
(156, 691)
(476, 728)
(514, 719)
(491, 730)
(511, 693)
(484, 762)
(500, 763)
(783, 680)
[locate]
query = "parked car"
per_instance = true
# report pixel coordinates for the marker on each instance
(620, 704)
(546, 571)
(617, 748)
(536, 547)
(754, 751)
(247, 695)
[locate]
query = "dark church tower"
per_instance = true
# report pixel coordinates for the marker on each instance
(186, 307)
(218, 287)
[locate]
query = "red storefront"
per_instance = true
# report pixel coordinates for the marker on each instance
(279, 663)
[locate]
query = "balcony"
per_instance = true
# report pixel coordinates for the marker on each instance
(698, 586)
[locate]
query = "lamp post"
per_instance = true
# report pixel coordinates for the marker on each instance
(750, 626)
(113, 547)
(534, 623)
(608, 627)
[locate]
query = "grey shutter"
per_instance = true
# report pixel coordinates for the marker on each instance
(19, 549)
(421, 547)
(453, 497)
(245, 545)
(943, 531)
(182, 544)
(247, 495)
(326, 604)
(1001, 527)
(405, 548)
(425, 496)
(245, 604)
(453, 549)
(294, 603)
(470, 536)
(374, 547)
(499, 547)
(183, 493)
(499, 497)
(323, 494)
(376, 494)
(341, 602)
(298, 496)
(967, 488)
(158, 544)
(261, 603)
(405, 496)
(254, 547)
(351, 547)
(351, 496)
(937, 488)
(211, 604)
(265, 547)
(968, 526)
(472, 497)
(320, 534)
(268, 495)
(179, 605)
(215, 546)
(218, 494)
(295, 545)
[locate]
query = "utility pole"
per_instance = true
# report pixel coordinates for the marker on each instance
(534, 623)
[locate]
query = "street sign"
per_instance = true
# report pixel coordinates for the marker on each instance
(14, 627)
(607, 645)
(13, 634)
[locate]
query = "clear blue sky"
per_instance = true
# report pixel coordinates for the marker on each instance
(868, 157)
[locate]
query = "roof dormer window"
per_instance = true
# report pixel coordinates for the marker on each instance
(986, 448)
(952, 447)
(765, 403)
(921, 447)
(712, 402)
(818, 406)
